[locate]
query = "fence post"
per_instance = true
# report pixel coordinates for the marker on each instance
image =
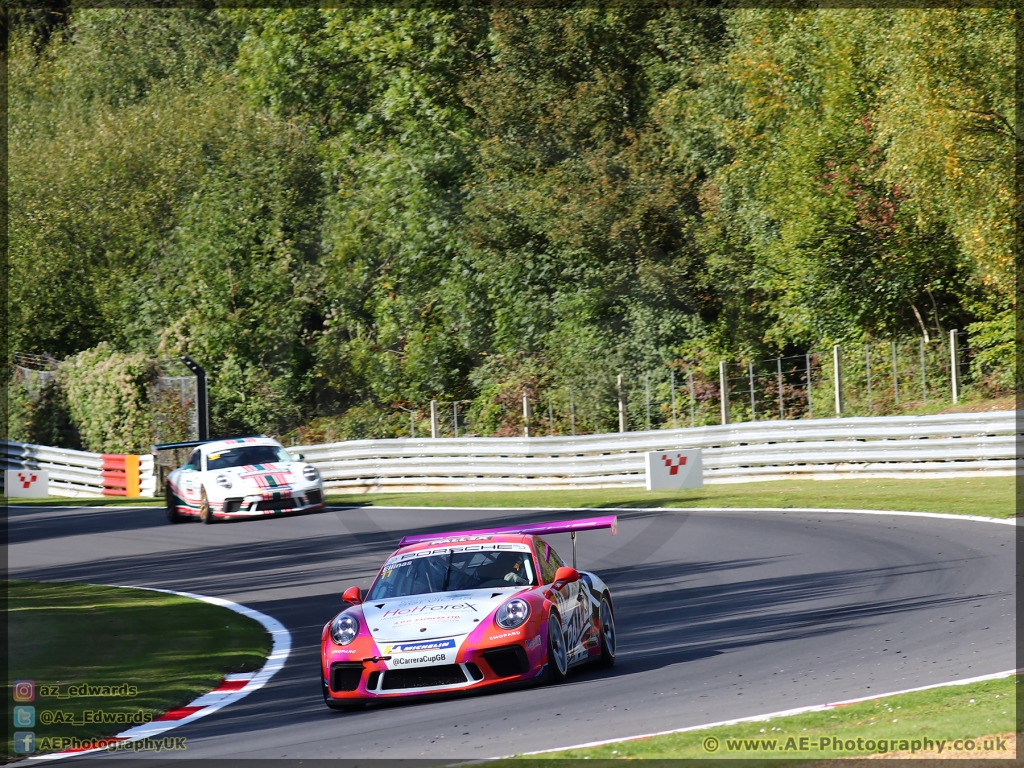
(924, 379)
(455, 415)
(672, 387)
(810, 410)
(723, 384)
(895, 375)
(647, 395)
(551, 417)
(693, 399)
(433, 418)
(412, 423)
(782, 403)
(954, 365)
(837, 369)
(526, 413)
(572, 413)
(622, 406)
(867, 368)
(750, 372)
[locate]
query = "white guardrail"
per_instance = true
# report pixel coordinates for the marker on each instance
(949, 445)
(84, 474)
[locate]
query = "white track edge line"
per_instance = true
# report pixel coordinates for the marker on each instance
(771, 715)
(938, 515)
(281, 648)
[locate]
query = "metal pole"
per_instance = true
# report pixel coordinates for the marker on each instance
(693, 400)
(455, 415)
(782, 404)
(924, 379)
(647, 395)
(954, 365)
(750, 372)
(202, 400)
(433, 418)
(526, 414)
(412, 423)
(837, 367)
(622, 406)
(573, 534)
(572, 413)
(810, 410)
(551, 418)
(723, 384)
(672, 386)
(895, 375)
(867, 368)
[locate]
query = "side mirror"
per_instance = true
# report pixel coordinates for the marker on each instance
(298, 457)
(352, 596)
(565, 575)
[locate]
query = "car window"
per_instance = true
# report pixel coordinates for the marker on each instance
(453, 572)
(246, 455)
(193, 460)
(549, 559)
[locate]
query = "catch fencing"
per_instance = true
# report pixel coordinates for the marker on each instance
(949, 445)
(84, 474)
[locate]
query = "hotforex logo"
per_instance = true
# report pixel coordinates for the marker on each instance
(437, 645)
(422, 608)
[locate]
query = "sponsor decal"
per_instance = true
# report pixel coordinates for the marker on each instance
(517, 633)
(486, 547)
(436, 645)
(404, 660)
(533, 642)
(423, 608)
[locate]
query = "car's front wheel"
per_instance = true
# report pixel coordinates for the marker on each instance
(558, 658)
(172, 503)
(205, 511)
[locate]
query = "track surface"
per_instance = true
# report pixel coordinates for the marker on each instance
(720, 615)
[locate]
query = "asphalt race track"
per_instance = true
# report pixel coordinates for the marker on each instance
(720, 615)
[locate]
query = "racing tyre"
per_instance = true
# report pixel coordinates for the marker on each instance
(558, 658)
(607, 627)
(205, 511)
(172, 505)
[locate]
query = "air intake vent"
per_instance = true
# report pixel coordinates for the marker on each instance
(345, 675)
(423, 677)
(507, 661)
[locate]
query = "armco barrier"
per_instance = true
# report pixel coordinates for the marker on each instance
(80, 473)
(947, 445)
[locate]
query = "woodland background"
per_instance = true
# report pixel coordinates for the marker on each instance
(344, 212)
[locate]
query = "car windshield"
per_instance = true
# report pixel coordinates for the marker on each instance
(245, 455)
(453, 572)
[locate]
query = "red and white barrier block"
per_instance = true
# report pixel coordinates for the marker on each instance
(672, 470)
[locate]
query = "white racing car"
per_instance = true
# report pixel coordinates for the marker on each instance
(241, 477)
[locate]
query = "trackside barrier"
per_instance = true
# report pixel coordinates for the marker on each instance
(80, 473)
(947, 445)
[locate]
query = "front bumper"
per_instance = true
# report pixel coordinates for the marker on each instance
(477, 668)
(260, 504)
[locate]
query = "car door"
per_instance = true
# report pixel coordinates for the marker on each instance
(190, 475)
(572, 600)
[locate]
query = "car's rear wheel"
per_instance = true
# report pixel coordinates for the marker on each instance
(172, 503)
(205, 511)
(607, 627)
(558, 659)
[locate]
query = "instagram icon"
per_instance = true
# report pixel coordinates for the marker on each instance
(24, 690)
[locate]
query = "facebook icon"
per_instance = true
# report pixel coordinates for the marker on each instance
(24, 742)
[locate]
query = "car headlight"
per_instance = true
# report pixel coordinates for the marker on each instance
(344, 629)
(512, 614)
(223, 481)
(310, 473)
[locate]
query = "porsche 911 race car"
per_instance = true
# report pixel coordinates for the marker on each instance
(241, 477)
(468, 610)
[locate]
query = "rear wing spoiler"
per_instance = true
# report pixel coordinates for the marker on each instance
(533, 529)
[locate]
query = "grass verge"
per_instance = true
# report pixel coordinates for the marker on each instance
(987, 496)
(168, 649)
(902, 722)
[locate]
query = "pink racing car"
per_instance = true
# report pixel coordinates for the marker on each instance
(465, 611)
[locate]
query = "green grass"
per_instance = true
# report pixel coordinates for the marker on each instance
(172, 649)
(949, 713)
(988, 496)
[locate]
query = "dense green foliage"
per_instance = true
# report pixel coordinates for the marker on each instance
(343, 211)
